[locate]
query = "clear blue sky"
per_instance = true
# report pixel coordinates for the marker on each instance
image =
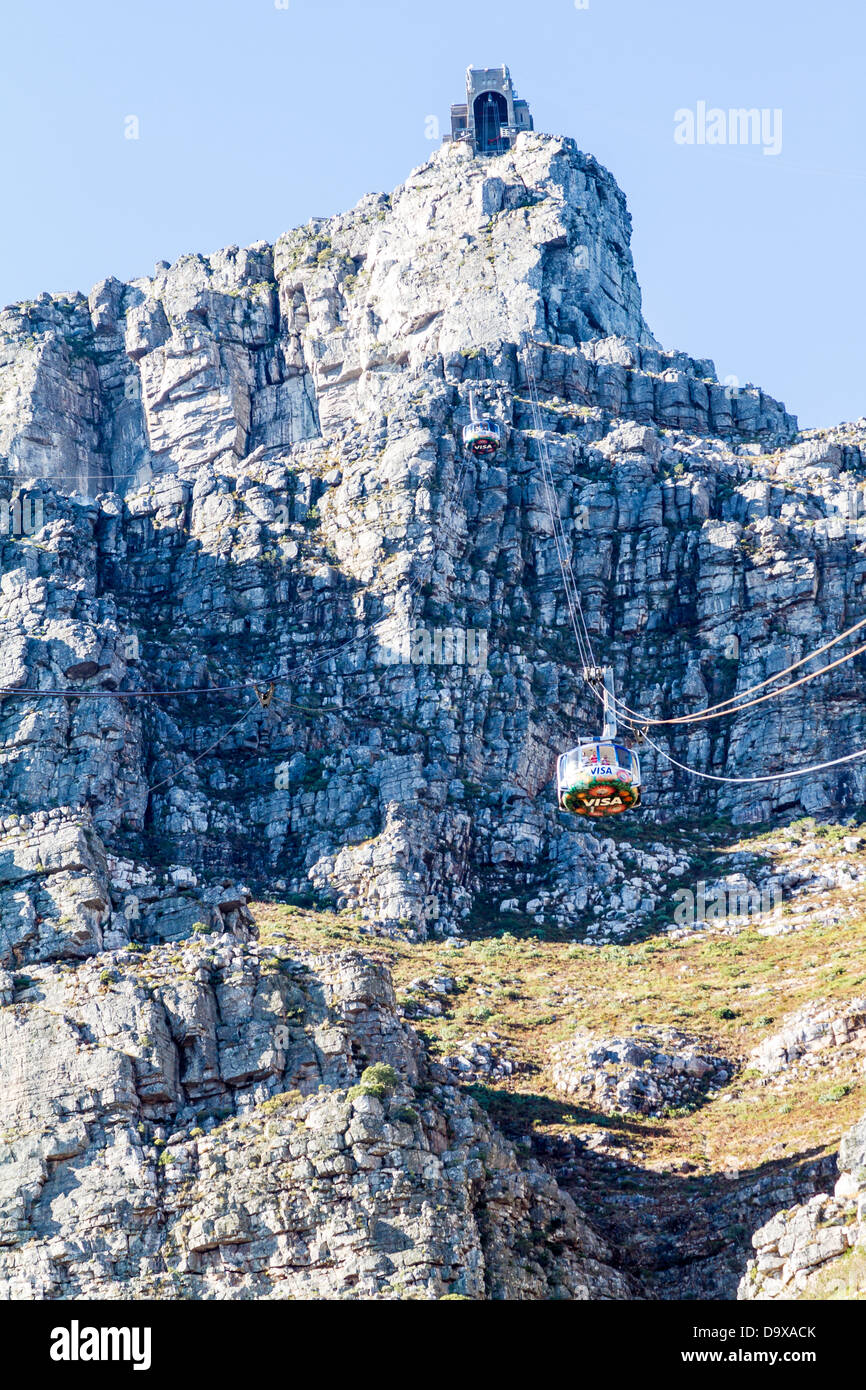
(253, 118)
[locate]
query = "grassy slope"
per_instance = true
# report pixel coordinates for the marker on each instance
(530, 992)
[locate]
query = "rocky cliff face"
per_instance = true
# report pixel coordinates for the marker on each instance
(247, 469)
(182, 1123)
(816, 1248)
(268, 441)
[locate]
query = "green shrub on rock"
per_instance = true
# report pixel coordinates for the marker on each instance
(380, 1081)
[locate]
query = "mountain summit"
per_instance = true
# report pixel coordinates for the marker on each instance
(268, 631)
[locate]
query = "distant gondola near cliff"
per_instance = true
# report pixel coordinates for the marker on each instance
(482, 436)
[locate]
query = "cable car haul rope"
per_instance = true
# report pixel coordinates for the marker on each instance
(601, 776)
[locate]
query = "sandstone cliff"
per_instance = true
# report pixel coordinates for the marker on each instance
(247, 469)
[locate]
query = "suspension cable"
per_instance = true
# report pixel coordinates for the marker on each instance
(191, 762)
(747, 704)
(736, 702)
(770, 777)
(252, 709)
(729, 706)
(572, 593)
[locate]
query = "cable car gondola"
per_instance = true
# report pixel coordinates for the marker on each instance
(482, 437)
(600, 777)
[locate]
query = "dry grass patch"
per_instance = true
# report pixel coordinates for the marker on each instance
(842, 1278)
(732, 990)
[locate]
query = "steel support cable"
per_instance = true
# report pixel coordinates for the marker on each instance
(572, 594)
(191, 762)
(304, 709)
(735, 703)
(769, 777)
(731, 705)
(747, 704)
(560, 540)
(569, 582)
(568, 572)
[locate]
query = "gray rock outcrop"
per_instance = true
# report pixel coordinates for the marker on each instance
(649, 1073)
(184, 1122)
(811, 1237)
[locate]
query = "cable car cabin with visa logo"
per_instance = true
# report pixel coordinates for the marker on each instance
(482, 437)
(598, 779)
